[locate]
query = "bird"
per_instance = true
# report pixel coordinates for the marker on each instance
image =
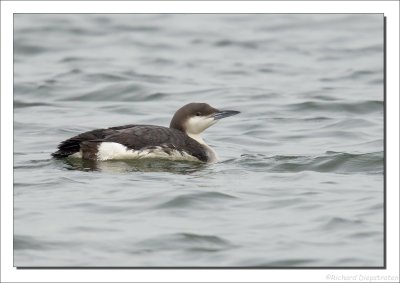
(180, 141)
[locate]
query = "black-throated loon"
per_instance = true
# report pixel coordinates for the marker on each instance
(181, 141)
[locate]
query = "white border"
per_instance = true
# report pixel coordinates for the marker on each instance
(10, 274)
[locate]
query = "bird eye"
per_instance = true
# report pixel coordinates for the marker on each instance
(198, 114)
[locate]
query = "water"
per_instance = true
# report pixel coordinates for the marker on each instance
(300, 177)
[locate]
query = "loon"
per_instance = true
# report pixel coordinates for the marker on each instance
(181, 141)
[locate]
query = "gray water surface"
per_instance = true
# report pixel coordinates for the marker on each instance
(300, 177)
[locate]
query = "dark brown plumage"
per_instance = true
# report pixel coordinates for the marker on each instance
(137, 137)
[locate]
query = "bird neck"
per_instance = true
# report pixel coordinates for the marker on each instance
(212, 155)
(197, 138)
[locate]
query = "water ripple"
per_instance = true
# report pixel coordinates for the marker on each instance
(25, 104)
(336, 223)
(23, 242)
(196, 199)
(185, 241)
(338, 162)
(359, 107)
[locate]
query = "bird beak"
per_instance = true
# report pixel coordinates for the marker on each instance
(224, 113)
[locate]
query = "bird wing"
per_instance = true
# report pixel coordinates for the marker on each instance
(136, 137)
(148, 137)
(72, 145)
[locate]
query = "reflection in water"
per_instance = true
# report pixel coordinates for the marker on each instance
(141, 165)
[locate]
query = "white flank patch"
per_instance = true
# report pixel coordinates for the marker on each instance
(112, 150)
(76, 155)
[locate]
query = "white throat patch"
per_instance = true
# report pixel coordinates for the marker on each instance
(197, 124)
